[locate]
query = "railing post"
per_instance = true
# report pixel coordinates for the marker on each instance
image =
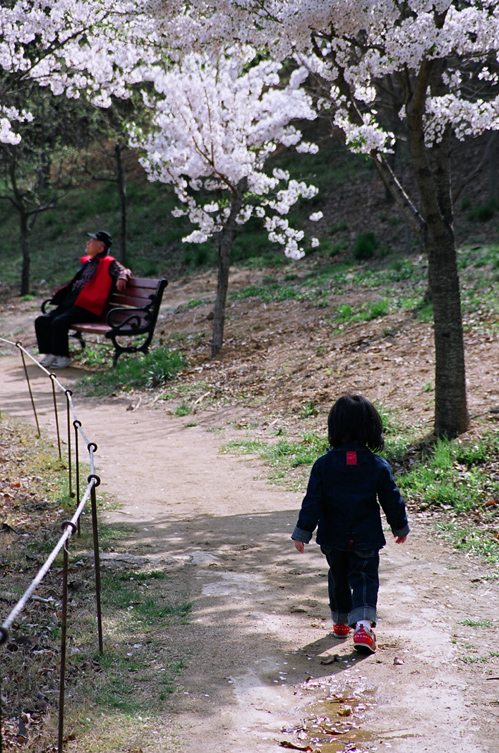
(19, 346)
(62, 679)
(96, 558)
(52, 377)
(68, 394)
(4, 634)
(1, 716)
(77, 425)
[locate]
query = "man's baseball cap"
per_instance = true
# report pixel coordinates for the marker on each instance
(102, 236)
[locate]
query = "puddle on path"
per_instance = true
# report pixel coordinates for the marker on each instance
(333, 724)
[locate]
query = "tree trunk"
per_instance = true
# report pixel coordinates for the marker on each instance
(451, 414)
(432, 171)
(121, 182)
(493, 167)
(434, 224)
(225, 240)
(25, 273)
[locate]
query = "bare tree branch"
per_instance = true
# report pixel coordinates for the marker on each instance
(478, 169)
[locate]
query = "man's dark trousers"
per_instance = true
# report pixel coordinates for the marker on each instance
(52, 328)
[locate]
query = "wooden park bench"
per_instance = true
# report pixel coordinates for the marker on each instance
(130, 315)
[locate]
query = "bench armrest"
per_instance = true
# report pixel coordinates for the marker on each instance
(131, 319)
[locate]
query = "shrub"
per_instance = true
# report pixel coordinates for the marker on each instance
(152, 370)
(199, 255)
(338, 227)
(378, 308)
(483, 212)
(182, 410)
(162, 365)
(332, 249)
(365, 246)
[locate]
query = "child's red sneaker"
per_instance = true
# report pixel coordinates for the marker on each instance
(340, 631)
(364, 640)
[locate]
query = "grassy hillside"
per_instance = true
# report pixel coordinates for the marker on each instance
(351, 196)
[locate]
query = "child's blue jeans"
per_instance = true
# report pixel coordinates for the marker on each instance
(353, 585)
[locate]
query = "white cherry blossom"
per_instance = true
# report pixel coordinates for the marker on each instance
(91, 47)
(215, 123)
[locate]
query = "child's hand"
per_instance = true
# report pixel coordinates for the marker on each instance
(400, 539)
(300, 546)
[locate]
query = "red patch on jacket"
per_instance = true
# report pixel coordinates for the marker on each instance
(351, 458)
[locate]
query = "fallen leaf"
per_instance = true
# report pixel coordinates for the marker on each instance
(345, 711)
(331, 659)
(334, 731)
(286, 744)
(22, 733)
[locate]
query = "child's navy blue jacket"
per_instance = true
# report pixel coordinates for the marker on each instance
(342, 500)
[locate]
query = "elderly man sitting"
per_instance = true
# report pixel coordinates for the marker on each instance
(84, 299)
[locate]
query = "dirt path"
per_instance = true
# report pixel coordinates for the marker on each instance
(260, 625)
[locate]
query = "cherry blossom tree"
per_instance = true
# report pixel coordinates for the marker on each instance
(57, 49)
(49, 50)
(215, 123)
(75, 47)
(434, 62)
(38, 170)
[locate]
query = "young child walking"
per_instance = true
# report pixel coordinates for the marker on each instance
(342, 498)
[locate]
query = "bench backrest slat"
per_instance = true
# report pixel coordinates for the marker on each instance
(137, 294)
(129, 299)
(143, 282)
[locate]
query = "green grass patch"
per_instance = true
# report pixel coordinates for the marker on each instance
(282, 456)
(424, 311)
(143, 371)
(377, 309)
(193, 303)
(275, 292)
(449, 474)
(471, 539)
(125, 594)
(477, 623)
(182, 410)
(308, 410)
(398, 438)
(366, 312)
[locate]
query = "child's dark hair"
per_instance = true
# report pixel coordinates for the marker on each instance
(353, 418)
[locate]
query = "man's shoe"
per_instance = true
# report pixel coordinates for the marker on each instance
(340, 630)
(48, 360)
(364, 640)
(61, 362)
